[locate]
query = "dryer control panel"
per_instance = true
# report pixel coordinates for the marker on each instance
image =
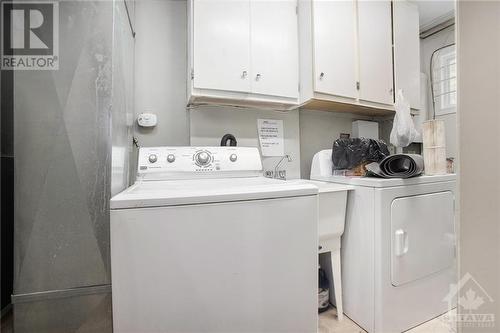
(156, 163)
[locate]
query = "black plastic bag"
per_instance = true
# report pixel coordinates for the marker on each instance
(350, 153)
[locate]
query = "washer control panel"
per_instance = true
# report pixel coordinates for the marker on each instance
(193, 162)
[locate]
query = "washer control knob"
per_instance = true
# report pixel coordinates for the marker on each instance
(233, 157)
(202, 158)
(170, 158)
(153, 158)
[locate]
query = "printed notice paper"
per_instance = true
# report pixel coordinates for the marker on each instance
(271, 137)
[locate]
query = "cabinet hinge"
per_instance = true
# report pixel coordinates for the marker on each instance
(192, 74)
(357, 85)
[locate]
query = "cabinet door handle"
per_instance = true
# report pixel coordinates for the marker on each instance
(244, 75)
(321, 75)
(257, 77)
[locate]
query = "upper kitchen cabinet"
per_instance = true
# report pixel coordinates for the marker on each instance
(346, 56)
(275, 48)
(375, 52)
(407, 51)
(243, 53)
(334, 32)
(220, 47)
(351, 51)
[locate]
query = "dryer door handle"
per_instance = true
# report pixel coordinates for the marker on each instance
(400, 242)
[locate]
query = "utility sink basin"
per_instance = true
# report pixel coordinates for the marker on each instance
(332, 209)
(331, 222)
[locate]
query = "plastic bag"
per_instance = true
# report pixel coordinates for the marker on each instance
(403, 130)
(351, 153)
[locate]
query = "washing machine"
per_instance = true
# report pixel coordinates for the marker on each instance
(202, 242)
(398, 248)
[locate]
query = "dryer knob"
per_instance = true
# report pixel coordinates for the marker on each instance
(233, 157)
(170, 158)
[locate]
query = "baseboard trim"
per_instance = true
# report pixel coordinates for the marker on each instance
(65, 293)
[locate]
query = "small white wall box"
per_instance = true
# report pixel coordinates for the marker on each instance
(147, 120)
(365, 129)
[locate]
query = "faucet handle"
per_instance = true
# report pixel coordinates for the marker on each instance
(281, 174)
(268, 174)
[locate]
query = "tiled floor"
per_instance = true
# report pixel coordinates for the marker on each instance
(328, 323)
(441, 324)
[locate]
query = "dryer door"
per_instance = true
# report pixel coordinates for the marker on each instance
(423, 236)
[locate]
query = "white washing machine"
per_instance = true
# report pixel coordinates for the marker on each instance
(398, 247)
(203, 243)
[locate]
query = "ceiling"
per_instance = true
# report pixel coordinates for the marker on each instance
(434, 12)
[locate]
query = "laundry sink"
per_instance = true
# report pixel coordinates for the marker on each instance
(332, 209)
(331, 222)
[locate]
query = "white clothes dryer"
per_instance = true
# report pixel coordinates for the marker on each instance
(398, 247)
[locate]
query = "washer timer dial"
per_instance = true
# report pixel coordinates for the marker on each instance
(203, 158)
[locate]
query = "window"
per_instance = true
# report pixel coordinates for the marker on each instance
(444, 80)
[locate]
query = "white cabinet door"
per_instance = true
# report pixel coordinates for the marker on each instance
(274, 48)
(221, 48)
(334, 47)
(407, 51)
(375, 51)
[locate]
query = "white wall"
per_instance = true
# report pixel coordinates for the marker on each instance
(160, 70)
(479, 128)
(427, 47)
(318, 130)
(209, 124)
(306, 132)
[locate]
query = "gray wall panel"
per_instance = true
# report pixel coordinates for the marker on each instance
(123, 96)
(72, 142)
(62, 149)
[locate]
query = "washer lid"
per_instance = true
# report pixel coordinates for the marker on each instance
(381, 182)
(197, 191)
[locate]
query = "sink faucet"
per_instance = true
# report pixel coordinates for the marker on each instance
(281, 174)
